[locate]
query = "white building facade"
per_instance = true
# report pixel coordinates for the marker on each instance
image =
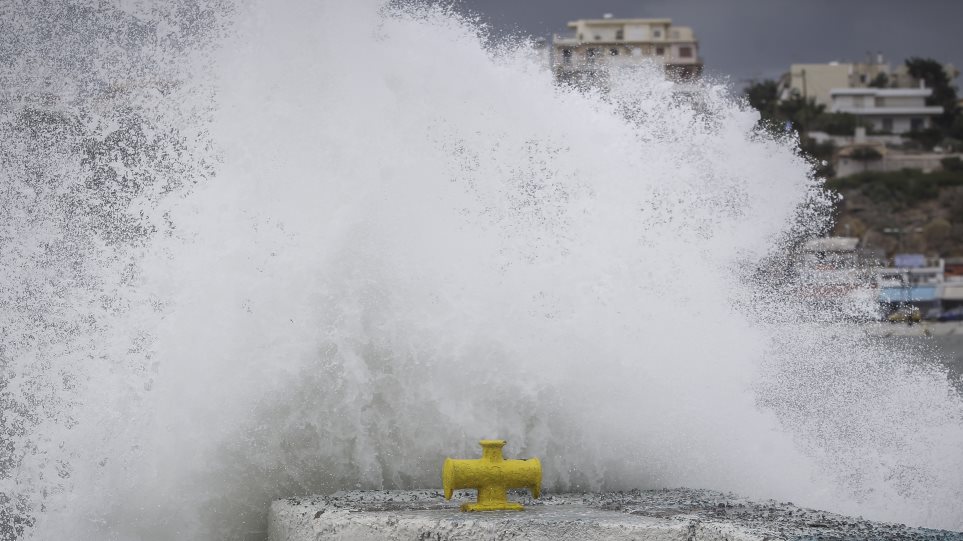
(887, 110)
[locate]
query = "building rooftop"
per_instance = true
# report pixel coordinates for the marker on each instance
(617, 22)
(831, 244)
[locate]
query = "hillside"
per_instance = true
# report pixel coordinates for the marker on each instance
(903, 211)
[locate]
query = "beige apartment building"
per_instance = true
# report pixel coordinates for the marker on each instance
(817, 81)
(597, 44)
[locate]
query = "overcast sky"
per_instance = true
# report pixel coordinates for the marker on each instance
(746, 39)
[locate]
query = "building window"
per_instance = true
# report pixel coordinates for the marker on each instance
(858, 101)
(619, 34)
(685, 52)
(916, 124)
(888, 125)
(613, 51)
(862, 78)
(581, 36)
(656, 33)
(598, 37)
(590, 54)
(567, 56)
(659, 51)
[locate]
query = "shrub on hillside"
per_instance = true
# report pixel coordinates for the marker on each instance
(899, 188)
(953, 163)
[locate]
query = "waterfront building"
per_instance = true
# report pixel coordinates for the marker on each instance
(951, 293)
(835, 276)
(597, 44)
(840, 277)
(913, 279)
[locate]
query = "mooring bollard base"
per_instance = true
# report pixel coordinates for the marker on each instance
(658, 515)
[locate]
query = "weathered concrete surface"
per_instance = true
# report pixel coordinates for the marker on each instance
(664, 515)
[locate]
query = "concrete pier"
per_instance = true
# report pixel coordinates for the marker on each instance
(663, 515)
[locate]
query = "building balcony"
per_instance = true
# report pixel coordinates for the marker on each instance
(570, 41)
(884, 111)
(624, 61)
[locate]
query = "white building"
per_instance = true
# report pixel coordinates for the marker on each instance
(890, 110)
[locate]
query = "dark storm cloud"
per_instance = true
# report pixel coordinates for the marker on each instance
(746, 39)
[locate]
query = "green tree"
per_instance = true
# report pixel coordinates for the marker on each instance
(934, 76)
(953, 163)
(764, 97)
(802, 112)
(837, 123)
(880, 81)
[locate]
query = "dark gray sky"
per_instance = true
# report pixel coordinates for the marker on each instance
(746, 39)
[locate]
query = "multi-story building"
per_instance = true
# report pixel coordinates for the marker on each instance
(598, 44)
(888, 110)
(817, 81)
(814, 81)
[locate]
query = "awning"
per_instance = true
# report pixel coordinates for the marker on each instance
(907, 294)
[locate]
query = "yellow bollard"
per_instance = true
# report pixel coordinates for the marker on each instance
(492, 476)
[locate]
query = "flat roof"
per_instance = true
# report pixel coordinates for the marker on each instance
(573, 24)
(908, 294)
(929, 110)
(831, 244)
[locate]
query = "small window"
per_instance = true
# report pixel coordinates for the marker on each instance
(657, 33)
(685, 52)
(619, 34)
(598, 37)
(567, 56)
(581, 36)
(613, 51)
(659, 51)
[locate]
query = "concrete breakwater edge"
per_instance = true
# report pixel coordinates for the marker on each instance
(665, 515)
